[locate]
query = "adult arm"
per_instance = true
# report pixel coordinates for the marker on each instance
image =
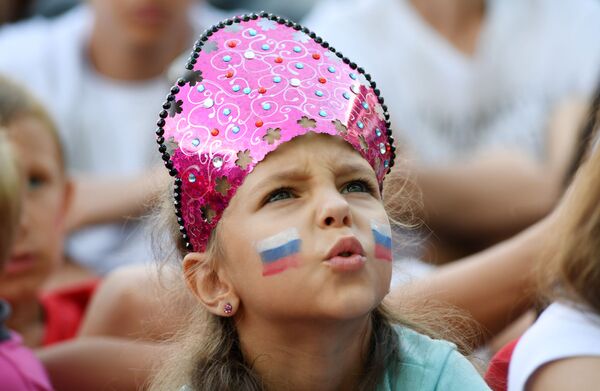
(495, 286)
(498, 193)
(487, 197)
(104, 200)
(579, 373)
(95, 364)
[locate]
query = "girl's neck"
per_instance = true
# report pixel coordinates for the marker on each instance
(117, 59)
(310, 356)
(459, 21)
(27, 318)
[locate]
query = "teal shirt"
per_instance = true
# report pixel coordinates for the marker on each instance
(428, 364)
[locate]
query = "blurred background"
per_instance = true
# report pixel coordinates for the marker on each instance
(14, 10)
(491, 104)
(486, 99)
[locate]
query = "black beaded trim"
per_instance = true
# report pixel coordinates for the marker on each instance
(192, 77)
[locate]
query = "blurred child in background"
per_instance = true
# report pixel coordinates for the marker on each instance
(42, 319)
(562, 349)
(19, 369)
(86, 67)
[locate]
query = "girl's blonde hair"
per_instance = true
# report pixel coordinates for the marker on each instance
(16, 103)
(574, 271)
(10, 198)
(207, 354)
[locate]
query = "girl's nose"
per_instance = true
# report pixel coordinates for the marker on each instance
(333, 211)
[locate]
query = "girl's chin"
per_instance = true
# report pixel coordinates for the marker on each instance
(353, 308)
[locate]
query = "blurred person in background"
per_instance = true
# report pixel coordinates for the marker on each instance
(19, 368)
(17, 10)
(88, 67)
(51, 8)
(41, 318)
(571, 283)
(289, 9)
(13, 10)
(475, 86)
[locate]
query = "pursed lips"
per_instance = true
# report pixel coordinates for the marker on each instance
(347, 254)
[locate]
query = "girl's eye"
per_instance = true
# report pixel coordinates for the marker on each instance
(278, 195)
(358, 186)
(36, 182)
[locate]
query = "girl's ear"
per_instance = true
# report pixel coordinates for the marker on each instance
(68, 197)
(64, 214)
(212, 288)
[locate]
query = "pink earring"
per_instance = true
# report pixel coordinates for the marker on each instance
(228, 309)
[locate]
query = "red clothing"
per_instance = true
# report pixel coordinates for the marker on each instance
(497, 373)
(64, 309)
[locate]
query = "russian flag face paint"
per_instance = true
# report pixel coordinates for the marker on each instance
(279, 252)
(383, 240)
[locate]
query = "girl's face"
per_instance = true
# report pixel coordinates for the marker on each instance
(39, 242)
(298, 235)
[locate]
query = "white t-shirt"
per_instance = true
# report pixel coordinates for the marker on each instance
(107, 126)
(562, 331)
(446, 105)
(122, 116)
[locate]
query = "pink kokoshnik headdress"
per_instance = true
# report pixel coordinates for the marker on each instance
(253, 83)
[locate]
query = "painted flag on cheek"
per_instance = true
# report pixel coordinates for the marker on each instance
(383, 241)
(279, 252)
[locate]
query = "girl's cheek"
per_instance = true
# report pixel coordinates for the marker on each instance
(382, 236)
(279, 252)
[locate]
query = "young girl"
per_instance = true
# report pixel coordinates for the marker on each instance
(497, 372)
(41, 319)
(19, 369)
(279, 146)
(572, 280)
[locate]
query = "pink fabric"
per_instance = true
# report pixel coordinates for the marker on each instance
(20, 370)
(255, 85)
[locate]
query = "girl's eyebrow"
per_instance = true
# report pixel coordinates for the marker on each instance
(300, 174)
(292, 174)
(346, 169)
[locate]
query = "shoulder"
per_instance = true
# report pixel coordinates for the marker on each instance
(552, 11)
(335, 19)
(44, 54)
(562, 332)
(427, 363)
(118, 300)
(39, 32)
(420, 350)
(578, 25)
(563, 10)
(131, 302)
(580, 373)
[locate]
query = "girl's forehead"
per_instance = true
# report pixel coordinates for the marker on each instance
(312, 149)
(312, 144)
(34, 142)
